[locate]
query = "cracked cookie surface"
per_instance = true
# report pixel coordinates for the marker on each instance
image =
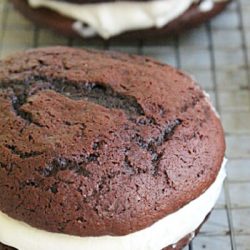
(101, 143)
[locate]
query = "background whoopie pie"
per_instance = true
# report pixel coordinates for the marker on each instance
(122, 19)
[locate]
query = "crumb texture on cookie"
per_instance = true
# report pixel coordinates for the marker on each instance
(100, 143)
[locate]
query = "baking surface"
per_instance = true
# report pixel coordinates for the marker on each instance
(218, 55)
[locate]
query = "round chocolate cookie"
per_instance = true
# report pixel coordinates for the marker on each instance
(194, 15)
(102, 143)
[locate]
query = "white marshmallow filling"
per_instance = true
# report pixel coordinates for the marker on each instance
(108, 19)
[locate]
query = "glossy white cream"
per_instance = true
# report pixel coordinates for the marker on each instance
(164, 232)
(112, 18)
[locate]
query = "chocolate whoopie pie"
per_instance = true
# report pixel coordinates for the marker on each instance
(119, 19)
(102, 150)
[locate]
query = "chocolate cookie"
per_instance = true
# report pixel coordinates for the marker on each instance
(102, 143)
(194, 15)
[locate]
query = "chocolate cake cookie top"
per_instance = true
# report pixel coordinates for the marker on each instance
(101, 143)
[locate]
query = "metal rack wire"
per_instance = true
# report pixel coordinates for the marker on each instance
(217, 53)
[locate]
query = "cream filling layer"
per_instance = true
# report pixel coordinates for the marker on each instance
(112, 18)
(164, 232)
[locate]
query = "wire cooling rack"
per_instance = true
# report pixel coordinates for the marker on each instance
(217, 54)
